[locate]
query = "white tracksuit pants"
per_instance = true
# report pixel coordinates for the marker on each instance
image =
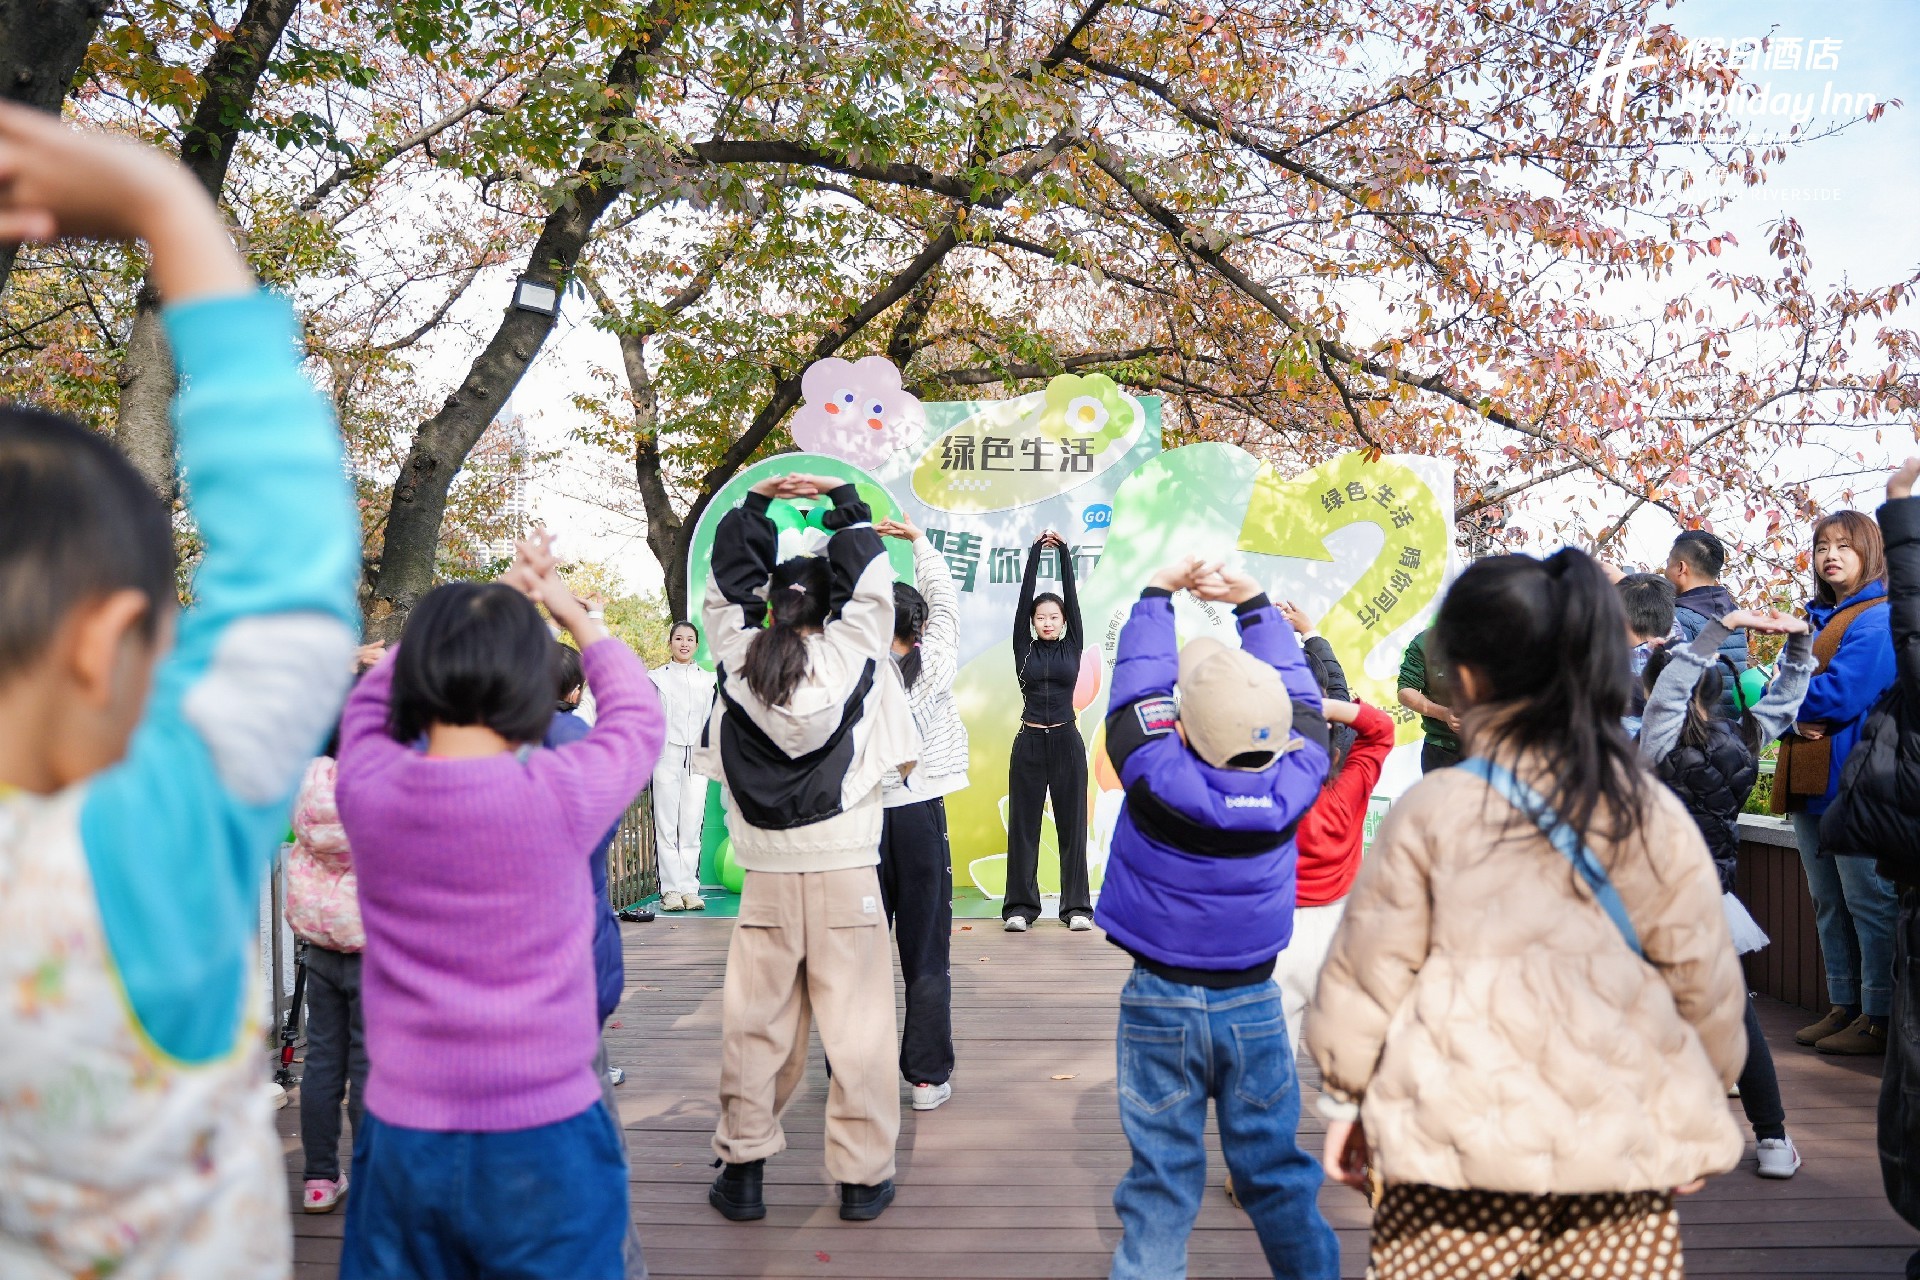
(679, 805)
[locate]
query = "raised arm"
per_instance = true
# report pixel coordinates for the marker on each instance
(1070, 592)
(1146, 666)
(860, 612)
(1023, 612)
(1780, 707)
(179, 834)
(744, 545)
(940, 637)
(1665, 715)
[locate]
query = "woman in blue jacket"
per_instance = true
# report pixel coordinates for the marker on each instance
(1854, 906)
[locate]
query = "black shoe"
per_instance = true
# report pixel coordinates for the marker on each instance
(736, 1192)
(864, 1204)
(636, 915)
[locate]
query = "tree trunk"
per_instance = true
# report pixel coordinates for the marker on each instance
(441, 445)
(144, 428)
(42, 43)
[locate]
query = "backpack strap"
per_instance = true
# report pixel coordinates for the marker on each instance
(1562, 837)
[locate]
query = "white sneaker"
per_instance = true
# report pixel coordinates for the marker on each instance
(1080, 924)
(692, 902)
(1778, 1158)
(928, 1096)
(672, 902)
(1016, 924)
(616, 1076)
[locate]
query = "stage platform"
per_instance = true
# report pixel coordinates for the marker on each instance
(1014, 1177)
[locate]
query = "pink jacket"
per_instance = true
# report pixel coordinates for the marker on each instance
(323, 901)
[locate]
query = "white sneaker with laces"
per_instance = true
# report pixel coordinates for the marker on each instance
(1779, 1158)
(672, 902)
(1080, 924)
(1016, 924)
(928, 1096)
(616, 1075)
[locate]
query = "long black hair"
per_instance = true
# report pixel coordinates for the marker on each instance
(776, 660)
(909, 620)
(1546, 640)
(1703, 708)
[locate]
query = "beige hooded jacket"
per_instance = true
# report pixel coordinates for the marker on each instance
(1494, 1026)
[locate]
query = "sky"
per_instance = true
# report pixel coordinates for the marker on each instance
(1857, 197)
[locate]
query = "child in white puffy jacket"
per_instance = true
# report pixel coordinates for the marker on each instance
(323, 908)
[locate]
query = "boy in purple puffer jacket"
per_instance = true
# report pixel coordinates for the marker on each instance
(1200, 891)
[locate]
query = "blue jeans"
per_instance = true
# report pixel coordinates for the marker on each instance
(546, 1202)
(1853, 912)
(1179, 1046)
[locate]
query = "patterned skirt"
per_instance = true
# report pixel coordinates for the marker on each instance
(1431, 1233)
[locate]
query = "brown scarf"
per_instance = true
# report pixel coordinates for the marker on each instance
(1805, 765)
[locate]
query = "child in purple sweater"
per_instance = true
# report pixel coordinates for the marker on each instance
(486, 1137)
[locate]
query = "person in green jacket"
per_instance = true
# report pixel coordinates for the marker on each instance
(1426, 691)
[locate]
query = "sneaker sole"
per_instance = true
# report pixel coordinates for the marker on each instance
(1781, 1177)
(732, 1212)
(307, 1208)
(931, 1106)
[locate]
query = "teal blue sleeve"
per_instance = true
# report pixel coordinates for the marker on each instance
(179, 835)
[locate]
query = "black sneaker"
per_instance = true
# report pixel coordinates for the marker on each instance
(736, 1192)
(636, 915)
(864, 1204)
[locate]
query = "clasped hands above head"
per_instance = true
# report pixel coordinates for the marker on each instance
(1207, 579)
(797, 484)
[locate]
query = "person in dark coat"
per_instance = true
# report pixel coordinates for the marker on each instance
(1694, 567)
(1877, 813)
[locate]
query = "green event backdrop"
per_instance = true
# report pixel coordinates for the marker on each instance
(1361, 542)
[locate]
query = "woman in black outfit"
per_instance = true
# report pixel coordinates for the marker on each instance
(1048, 754)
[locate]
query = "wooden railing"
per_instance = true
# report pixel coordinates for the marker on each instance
(1773, 885)
(632, 874)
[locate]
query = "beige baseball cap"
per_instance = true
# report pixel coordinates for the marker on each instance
(1233, 706)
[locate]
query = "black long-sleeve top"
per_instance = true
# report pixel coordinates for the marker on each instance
(1047, 669)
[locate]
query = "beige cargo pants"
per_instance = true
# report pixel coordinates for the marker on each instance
(810, 945)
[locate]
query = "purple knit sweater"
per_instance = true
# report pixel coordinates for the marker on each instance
(478, 983)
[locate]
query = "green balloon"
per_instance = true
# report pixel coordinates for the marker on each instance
(731, 876)
(1753, 687)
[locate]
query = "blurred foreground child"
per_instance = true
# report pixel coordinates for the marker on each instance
(148, 755)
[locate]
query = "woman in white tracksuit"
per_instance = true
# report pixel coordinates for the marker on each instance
(680, 794)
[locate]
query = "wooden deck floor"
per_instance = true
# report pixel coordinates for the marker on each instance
(1013, 1177)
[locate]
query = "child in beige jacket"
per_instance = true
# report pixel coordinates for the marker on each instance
(1532, 1057)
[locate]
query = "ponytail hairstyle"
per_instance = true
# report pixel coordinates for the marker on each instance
(776, 660)
(1546, 642)
(909, 621)
(1863, 535)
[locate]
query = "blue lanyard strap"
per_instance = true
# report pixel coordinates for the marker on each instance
(1562, 837)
